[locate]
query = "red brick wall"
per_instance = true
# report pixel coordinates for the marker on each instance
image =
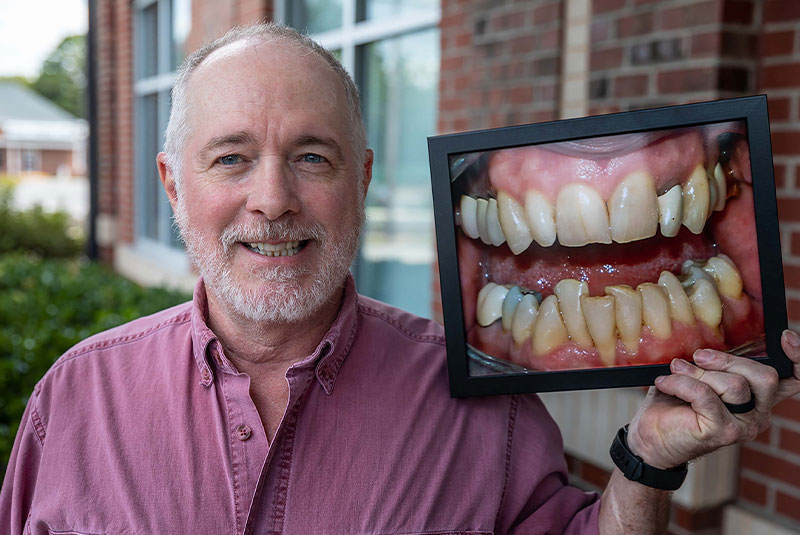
(500, 64)
(770, 477)
(500, 67)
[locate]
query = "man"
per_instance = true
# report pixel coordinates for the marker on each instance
(280, 401)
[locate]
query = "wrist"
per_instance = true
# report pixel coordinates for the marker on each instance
(634, 468)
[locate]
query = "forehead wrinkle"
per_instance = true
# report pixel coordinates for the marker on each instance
(241, 137)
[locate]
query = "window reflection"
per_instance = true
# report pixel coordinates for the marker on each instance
(379, 9)
(313, 16)
(399, 80)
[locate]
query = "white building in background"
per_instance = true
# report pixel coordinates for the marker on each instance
(37, 137)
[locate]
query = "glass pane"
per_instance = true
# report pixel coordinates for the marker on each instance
(149, 182)
(379, 9)
(148, 61)
(314, 16)
(399, 80)
(181, 26)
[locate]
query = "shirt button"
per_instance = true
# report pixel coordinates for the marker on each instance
(243, 432)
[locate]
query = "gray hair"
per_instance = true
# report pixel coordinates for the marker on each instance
(178, 127)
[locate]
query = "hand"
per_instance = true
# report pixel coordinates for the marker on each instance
(684, 417)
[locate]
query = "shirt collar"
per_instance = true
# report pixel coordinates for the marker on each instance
(326, 359)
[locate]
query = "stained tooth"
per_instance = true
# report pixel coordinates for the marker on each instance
(512, 220)
(512, 299)
(725, 275)
(469, 216)
(600, 320)
(541, 218)
(706, 303)
(692, 272)
(569, 293)
(490, 303)
(670, 211)
(524, 317)
(696, 197)
(628, 315)
(483, 230)
(581, 216)
(655, 309)
(718, 177)
(679, 305)
(633, 208)
(493, 224)
(548, 331)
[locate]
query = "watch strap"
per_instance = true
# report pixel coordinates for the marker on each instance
(635, 469)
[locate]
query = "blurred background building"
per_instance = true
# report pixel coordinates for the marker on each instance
(441, 66)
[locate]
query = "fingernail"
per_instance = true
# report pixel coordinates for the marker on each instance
(792, 338)
(660, 379)
(680, 365)
(702, 356)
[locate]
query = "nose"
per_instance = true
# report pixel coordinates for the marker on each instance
(272, 189)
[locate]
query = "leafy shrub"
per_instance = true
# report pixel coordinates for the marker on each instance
(47, 306)
(45, 234)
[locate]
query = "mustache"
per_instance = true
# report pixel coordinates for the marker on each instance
(278, 230)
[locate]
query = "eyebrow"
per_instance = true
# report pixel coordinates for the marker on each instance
(236, 138)
(324, 141)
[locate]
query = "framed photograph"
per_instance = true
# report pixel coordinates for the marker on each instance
(589, 253)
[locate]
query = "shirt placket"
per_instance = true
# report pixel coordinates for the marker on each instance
(268, 509)
(246, 436)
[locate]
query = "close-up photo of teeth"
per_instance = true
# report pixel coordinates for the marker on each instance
(615, 251)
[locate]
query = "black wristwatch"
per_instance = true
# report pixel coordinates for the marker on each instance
(635, 469)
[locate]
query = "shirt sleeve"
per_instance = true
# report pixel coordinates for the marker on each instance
(19, 483)
(538, 498)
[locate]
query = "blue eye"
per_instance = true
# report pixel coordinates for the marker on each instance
(230, 159)
(313, 158)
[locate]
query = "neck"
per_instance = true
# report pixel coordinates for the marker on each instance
(258, 346)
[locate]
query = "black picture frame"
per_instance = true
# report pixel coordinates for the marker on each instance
(444, 153)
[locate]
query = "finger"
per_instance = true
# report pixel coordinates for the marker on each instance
(704, 401)
(790, 342)
(730, 387)
(762, 379)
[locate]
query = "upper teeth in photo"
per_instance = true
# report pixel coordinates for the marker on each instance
(613, 251)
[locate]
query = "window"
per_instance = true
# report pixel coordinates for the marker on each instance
(161, 28)
(392, 48)
(31, 160)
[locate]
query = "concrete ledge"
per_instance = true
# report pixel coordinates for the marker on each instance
(151, 264)
(739, 521)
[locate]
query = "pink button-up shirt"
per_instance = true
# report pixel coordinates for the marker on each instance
(148, 428)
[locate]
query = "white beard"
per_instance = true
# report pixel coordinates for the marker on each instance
(281, 299)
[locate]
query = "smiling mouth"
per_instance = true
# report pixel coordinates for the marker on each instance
(289, 248)
(623, 250)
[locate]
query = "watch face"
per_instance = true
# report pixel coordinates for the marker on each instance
(605, 244)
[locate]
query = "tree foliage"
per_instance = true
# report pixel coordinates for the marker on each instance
(62, 78)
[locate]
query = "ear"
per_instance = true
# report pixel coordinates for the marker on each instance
(368, 159)
(167, 179)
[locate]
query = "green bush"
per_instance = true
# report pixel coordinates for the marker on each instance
(48, 305)
(45, 234)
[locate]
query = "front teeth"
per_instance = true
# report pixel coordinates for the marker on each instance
(580, 216)
(570, 314)
(289, 248)
(633, 209)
